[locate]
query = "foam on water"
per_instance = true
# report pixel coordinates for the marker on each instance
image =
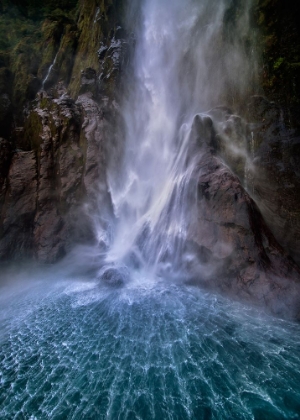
(163, 352)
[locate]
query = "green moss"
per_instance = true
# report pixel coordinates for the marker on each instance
(278, 23)
(88, 43)
(30, 35)
(278, 63)
(66, 54)
(109, 16)
(32, 132)
(43, 103)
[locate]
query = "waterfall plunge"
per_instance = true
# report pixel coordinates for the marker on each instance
(189, 57)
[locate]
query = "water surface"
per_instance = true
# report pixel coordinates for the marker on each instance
(152, 350)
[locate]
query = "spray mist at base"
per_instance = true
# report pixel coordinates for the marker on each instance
(74, 349)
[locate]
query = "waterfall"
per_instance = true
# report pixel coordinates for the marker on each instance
(190, 56)
(49, 70)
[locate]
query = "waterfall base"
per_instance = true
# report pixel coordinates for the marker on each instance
(72, 349)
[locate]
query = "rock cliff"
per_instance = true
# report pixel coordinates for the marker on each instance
(58, 90)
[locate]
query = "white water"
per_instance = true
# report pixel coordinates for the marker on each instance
(49, 71)
(186, 61)
(72, 349)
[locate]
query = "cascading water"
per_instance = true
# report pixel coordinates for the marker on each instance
(153, 349)
(189, 57)
(49, 71)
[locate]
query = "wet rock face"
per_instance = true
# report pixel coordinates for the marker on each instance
(69, 93)
(45, 191)
(39, 182)
(262, 151)
(88, 82)
(236, 251)
(5, 113)
(5, 159)
(18, 211)
(60, 168)
(274, 173)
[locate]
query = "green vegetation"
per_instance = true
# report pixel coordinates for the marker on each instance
(278, 23)
(20, 19)
(37, 10)
(31, 33)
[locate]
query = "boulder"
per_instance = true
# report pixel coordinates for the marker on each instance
(115, 277)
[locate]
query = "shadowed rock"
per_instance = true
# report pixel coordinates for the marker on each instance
(115, 277)
(42, 191)
(237, 253)
(275, 175)
(17, 217)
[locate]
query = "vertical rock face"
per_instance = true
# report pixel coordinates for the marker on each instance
(275, 129)
(60, 171)
(19, 207)
(68, 160)
(274, 171)
(57, 152)
(5, 159)
(44, 184)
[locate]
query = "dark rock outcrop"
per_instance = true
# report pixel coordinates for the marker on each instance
(274, 171)
(64, 134)
(60, 170)
(19, 207)
(46, 192)
(278, 42)
(115, 277)
(236, 251)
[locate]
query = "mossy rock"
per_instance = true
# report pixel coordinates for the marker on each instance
(279, 25)
(33, 129)
(30, 34)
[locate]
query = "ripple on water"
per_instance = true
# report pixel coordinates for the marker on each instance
(164, 352)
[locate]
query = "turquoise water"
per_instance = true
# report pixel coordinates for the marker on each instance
(75, 350)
